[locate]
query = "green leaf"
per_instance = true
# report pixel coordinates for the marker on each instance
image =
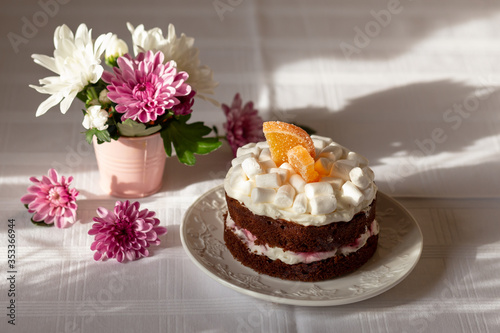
(133, 128)
(216, 131)
(82, 96)
(102, 136)
(41, 223)
(188, 139)
(89, 134)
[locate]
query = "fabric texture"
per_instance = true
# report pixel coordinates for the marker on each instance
(411, 85)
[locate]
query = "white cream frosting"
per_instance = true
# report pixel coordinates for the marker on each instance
(346, 186)
(290, 257)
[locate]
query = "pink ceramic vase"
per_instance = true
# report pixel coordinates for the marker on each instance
(131, 167)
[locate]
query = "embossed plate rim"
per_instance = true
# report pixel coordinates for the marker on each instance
(390, 265)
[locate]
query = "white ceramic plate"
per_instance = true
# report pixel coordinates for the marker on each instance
(399, 249)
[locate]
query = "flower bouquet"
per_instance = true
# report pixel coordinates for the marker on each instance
(150, 92)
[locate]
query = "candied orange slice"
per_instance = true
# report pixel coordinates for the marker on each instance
(282, 137)
(303, 163)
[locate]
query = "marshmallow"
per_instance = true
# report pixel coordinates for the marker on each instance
(319, 144)
(360, 159)
(262, 144)
(251, 167)
(369, 172)
(342, 168)
(326, 141)
(239, 182)
(300, 203)
(268, 180)
(249, 145)
(250, 150)
(344, 149)
(243, 186)
(316, 189)
(335, 182)
(331, 152)
(237, 174)
(297, 182)
(265, 154)
(323, 204)
(288, 167)
(368, 192)
(262, 195)
(323, 166)
(238, 160)
(267, 164)
(284, 197)
(351, 194)
(359, 178)
(283, 173)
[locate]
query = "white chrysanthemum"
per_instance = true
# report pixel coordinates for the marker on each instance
(95, 117)
(182, 51)
(103, 97)
(116, 47)
(77, 60)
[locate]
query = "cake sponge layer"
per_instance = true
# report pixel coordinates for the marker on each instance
(316, 271)
(294, 237)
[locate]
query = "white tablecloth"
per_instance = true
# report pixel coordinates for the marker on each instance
(412, 85)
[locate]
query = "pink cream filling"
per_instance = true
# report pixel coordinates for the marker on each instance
(290, 257)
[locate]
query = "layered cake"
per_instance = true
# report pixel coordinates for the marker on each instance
(300, 207)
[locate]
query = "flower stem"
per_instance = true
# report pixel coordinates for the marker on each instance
(93, 93)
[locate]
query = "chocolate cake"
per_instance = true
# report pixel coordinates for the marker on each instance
(279, 225)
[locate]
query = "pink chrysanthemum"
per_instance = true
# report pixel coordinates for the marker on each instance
(125, 233)
(144, 88)
(51, 200)
(185, 106)
(243, 125)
